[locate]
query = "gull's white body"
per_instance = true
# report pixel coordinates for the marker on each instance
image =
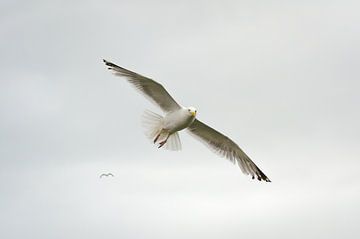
(178, 120)
(164, 130)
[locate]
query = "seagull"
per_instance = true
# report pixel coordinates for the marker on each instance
(163, 130)
(106, 175)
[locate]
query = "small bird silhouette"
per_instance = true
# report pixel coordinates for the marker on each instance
(106, 175)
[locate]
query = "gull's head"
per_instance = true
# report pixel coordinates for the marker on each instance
(192, 111)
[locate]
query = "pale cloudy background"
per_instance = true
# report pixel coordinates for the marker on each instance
(279, 77)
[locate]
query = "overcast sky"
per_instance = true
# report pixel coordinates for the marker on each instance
(281, 78)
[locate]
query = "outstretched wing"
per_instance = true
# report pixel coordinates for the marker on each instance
(150, 88)
(226, 148)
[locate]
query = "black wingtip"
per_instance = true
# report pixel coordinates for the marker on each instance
(261, 177)
(108, 63)
(266, 179)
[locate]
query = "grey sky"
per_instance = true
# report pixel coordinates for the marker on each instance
(281, 78)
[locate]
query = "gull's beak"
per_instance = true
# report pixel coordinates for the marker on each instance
(193, 113)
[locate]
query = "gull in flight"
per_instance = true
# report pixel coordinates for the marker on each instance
(106, 175)
(163, 130)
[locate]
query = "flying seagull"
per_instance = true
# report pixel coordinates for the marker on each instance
(163, 130)
(106, 175)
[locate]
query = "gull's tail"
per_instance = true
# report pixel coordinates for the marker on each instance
(153, 124)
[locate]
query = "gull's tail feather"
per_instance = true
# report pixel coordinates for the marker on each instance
(173, 143)
(153, 125)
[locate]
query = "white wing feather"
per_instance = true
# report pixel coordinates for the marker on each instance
(150, 88)
(227, 148)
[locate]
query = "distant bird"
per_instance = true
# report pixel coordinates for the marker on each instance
(164, 130)
(106, 175)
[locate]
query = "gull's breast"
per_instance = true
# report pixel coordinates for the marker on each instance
(177, 120)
